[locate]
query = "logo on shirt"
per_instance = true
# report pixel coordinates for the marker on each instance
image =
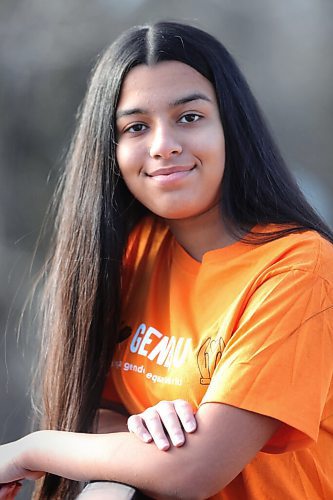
(168, 351)
(208, 356)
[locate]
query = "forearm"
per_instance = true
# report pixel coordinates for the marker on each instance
(116, 457)
(226, 439)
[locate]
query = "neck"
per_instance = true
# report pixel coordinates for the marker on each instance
(199, 234)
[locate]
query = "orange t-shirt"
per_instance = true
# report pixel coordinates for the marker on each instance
(250, 326)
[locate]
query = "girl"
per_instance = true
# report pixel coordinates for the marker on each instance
(188, 272)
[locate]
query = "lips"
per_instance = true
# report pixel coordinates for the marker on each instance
(171, 177)
(170, 170)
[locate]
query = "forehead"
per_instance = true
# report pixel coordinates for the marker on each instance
(167, 80)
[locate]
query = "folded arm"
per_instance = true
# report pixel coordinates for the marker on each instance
(227, 438)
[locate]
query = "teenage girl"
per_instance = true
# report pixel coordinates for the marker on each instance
(190, 287)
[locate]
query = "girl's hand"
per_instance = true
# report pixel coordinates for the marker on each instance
(11, 468)
(163, 423)
(10, 490)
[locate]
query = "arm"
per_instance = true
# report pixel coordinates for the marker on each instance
(166, 423)
(226, 440)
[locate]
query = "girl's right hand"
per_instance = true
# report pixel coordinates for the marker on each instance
(12, 469)
(164, 423)
(10, 490)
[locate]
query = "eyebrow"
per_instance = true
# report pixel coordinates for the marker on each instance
(182, 100)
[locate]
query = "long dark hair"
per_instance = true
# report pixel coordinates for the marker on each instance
(96, 213)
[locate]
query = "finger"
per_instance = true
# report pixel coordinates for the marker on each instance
(136, 425)
(9, 491)
(185, 414)
(154, 425)
(16, 489)
(171, 422)
(6, 491)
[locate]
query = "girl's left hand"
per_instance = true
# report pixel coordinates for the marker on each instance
(167, 419)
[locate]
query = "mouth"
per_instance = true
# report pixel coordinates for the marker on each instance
(166, 171)
(171, 177)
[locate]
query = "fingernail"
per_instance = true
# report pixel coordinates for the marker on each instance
(163, 444)
(190, 427)
(178, 440)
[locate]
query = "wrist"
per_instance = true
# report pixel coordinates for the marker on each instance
(15, 461)
(30, 450)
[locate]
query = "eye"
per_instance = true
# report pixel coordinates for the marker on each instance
(190, 118)
(136, 127)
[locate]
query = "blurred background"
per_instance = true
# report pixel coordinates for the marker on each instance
(47, 50)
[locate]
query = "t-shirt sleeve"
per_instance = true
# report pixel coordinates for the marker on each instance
(279, 360)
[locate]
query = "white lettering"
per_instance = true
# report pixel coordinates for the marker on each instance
(178, 358)
(161, 350)
(134, 368)
(164, 380)
(171, 350)
(147, 340)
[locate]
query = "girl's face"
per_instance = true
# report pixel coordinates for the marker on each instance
(170, 150)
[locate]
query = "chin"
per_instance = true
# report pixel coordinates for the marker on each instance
(179, 214)
(190, 212)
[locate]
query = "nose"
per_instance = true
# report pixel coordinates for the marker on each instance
(164, 142)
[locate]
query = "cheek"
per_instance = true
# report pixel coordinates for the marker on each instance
(123, 159)
(210, 144)
(217, 144)
(129, 159)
